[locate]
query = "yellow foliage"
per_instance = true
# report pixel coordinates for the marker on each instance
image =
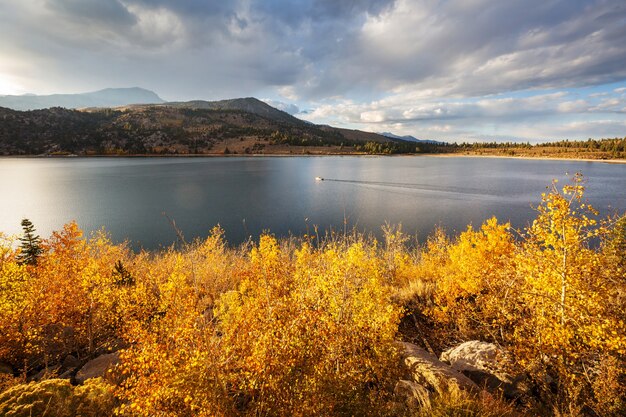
(58, 398)
(553, 298)
(470, 275)
(306, 333)
(565, 320)
(292, 328)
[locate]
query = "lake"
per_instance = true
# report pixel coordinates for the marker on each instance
(247, 195)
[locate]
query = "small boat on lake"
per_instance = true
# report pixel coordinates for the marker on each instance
(319, 179)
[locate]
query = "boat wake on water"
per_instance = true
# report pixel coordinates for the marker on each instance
(422, 189)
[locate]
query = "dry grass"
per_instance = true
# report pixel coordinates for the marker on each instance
(456, 403)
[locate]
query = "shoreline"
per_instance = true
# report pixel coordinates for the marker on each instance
(286, 155)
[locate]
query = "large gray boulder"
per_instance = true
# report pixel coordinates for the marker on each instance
(414, 395)
(478, 357)
(488, 366)
(425, 369)
(97, 367)
(46, 373)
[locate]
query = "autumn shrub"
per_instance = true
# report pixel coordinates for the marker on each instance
(304, 333)
(14, 307)
(68, 303)
(416, 290)
(307, 326)
(94, 398)
(553, 296)
(58, 398)
(609, 386)
(566, 316)
(469, 277)
(8, 380)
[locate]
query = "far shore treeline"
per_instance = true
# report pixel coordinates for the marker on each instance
(317, 325)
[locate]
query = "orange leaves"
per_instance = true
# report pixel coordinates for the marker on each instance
(292, 329)
(552, 297)
(66, 304)
(471, 277)
(303, 331)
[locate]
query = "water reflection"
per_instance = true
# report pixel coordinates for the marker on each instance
(248, 195)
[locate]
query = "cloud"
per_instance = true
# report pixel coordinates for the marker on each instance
(602, 128)
(295, 13)
(111, 12)
(503, 116)
(476, 48)
(323, 48)
(286, 107)
(401, 108)
(359, 63)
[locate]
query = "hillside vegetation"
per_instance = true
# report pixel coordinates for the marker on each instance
(309, 326)
(236, 126)
(242, 126)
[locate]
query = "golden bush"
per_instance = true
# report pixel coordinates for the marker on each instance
(295, 328)
(58, 398)
(304, 333)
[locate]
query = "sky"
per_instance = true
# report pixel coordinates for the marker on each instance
(458, 70)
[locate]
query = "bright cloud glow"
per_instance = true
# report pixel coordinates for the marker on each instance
(8, 86)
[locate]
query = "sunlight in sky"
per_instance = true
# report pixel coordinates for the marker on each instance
(8, 86)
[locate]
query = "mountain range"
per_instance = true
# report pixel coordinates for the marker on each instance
(409, 138)
(135, 121)
(109, 97)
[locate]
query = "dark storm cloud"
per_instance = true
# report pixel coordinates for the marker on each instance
(329, 47)
(193, 7)
(481, 47)
(293, 13)
(110, 12)
(220, 46)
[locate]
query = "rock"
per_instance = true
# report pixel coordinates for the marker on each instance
(486, 364)
(415, 396)
(479, 358)
(67, 374)
(70, 361)
(427, 370)
(46, 373)
(97, 367)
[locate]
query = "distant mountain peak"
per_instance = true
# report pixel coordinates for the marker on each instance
(405, 137)
(408, 138)
(108, 97)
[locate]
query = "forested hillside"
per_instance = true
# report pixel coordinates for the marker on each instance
(231, 126)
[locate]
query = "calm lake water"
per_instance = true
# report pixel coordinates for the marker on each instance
(247, 195)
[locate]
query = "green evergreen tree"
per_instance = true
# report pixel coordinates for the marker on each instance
(31, 244)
